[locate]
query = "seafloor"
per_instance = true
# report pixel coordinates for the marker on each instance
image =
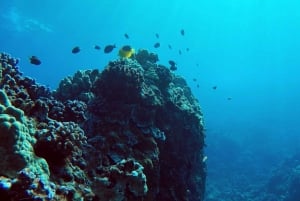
(132, 132)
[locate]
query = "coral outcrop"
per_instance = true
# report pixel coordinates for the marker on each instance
(18, 160)
(77, 87)
(131, 132)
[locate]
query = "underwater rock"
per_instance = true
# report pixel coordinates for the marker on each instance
(143, 57)
(17, 141)
(57, 141)
(77, 87)
(17, 155)
(125, 179)
(284, 180)
(120, 80)
(131, 132)
(23, 92)
(150, 102)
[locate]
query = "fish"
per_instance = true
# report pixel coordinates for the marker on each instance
(170, 47)
(157, 35)
(126, 51)
(97, 47)
(157, 45)
(229, 98)
(194, 79)
(198, 86)
(214, 87)
(75, 50)
(109, 48)
(35, 60)
(126, 36)
(187, 49)
(173, 68)
(180, 52)
(204, 159)
(182, 32)
(172, 63)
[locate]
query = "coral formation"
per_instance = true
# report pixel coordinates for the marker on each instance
(144, 57)
(77, 87)
(131, 132)
(18, 159)
(125, 179)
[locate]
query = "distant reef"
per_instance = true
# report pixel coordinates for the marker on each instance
(133, 132)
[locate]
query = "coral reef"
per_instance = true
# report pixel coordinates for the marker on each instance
(125, 179)
(144, 57)
(131, 132)
(77, 87)
(19, 165)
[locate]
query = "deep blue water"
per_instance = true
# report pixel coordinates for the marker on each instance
(248, 49)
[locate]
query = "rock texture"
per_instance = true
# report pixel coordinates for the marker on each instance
(131, 132)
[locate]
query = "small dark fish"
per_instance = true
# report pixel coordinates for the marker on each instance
(157, 35)
(229, 98)
(170, 47)
(109, 48)
(194, 79)
(172, 63)
(97, 47)
(126, 36)
(182, 32)
(173, 68)
(157, 45)
(197, 64)
(34, 60)
(198, 86)
(214, 87)
(75, 50)
(187, 49)
(180, 52)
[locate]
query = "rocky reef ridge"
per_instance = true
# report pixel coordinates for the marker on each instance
(131, 132)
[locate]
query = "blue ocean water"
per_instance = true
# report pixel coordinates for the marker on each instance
(249, 50)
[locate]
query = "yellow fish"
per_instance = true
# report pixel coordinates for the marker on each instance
(126, 51)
